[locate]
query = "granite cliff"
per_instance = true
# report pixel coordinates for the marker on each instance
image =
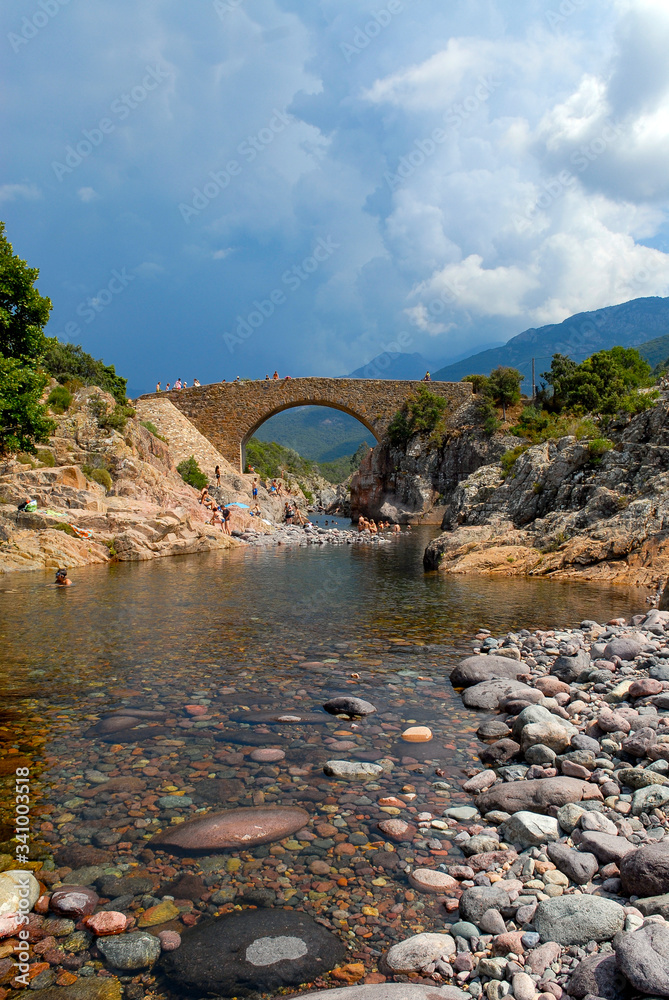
(566, 509)
(107, 489)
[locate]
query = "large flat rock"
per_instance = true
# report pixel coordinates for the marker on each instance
(535, 795)
(234, 828)
(252, 951)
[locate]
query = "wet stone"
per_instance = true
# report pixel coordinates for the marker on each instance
(252, 950)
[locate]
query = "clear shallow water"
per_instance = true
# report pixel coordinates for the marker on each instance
(229, 631)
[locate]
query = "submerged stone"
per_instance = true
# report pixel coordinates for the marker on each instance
(233, 828)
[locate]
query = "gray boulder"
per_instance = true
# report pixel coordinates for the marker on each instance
(651, 797)
(599, 976)
(475, 669)
(475, 901)
(624, 647)
(570, 668)
(605, 847)
(646, 871)
(643, 957)
(487, 694)
(529, 829)
(578, 866)
(578, 918)
(536, 794)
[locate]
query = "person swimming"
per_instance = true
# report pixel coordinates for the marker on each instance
(61, 579)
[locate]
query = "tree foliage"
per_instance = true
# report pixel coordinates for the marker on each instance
(191, 473)
(421, 414)
(23, 419)
(504, 387)
(269, 459)
(604, 383)
(23, 311)
(23, 314)
(71, 363)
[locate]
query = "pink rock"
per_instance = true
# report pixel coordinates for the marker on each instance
(611, 722)
(510, 941)
(106, 922)
(9, 924)
(550, 686)
(233, 828)
(397, 829)
(480, 781)
(430, 880)
(266, 755)
(575, 770)
(169, 940)
(645, 687)
(196, 709)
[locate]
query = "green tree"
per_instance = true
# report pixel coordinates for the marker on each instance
(23, 315)
(70, 362)
(604, 383)
(23, 311)
(191, 473)
(23, 419)
(479, 382)
(504, 387)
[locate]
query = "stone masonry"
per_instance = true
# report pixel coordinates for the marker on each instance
(229, 413)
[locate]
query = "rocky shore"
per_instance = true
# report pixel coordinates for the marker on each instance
(552, 883)
(567, 509)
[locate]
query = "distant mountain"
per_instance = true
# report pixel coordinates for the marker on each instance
(399, 366)
(319, 433)
(631, 324)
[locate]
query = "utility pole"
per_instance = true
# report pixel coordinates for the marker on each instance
(534, 388)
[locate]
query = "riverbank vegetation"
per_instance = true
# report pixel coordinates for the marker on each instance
(29, 360)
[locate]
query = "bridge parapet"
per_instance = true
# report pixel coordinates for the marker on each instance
(229, 413)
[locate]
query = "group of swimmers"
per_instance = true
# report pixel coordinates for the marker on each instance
(374, 529)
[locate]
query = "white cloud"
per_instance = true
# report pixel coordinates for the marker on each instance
(10, 192)
(222, 254)
(87, 194)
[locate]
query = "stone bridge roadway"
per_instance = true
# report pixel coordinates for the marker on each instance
(229, 413)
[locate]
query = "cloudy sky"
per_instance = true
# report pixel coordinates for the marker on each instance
(226, 187)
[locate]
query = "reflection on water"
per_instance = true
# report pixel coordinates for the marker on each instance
(229, 633)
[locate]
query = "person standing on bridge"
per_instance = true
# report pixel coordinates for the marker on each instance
(196, 383)
(177, 384)
(275, 376)
(157, 386)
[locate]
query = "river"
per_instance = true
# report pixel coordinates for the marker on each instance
(229, 632)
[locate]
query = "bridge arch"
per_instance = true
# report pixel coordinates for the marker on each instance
(229, 413)
(326, 404)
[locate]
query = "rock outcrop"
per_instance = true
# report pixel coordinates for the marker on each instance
(415, 484)
(147, 512)
(562, 513)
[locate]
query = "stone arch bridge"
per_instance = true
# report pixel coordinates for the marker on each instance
(229, 413)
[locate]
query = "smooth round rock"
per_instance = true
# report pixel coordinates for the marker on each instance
(578, 918)
(419, 951)
(234, 828)
(432, 880)
(417, 734)
(349, 706)
(397, 829)
(136, 950)
(169, 940)
(266, 755)
(352, 770)
(10, 895)
(73, 901)
(252, 951)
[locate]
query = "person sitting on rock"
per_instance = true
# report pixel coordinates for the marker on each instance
(196, 383)
(427, 377)
(61, 579)
(204, 494)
